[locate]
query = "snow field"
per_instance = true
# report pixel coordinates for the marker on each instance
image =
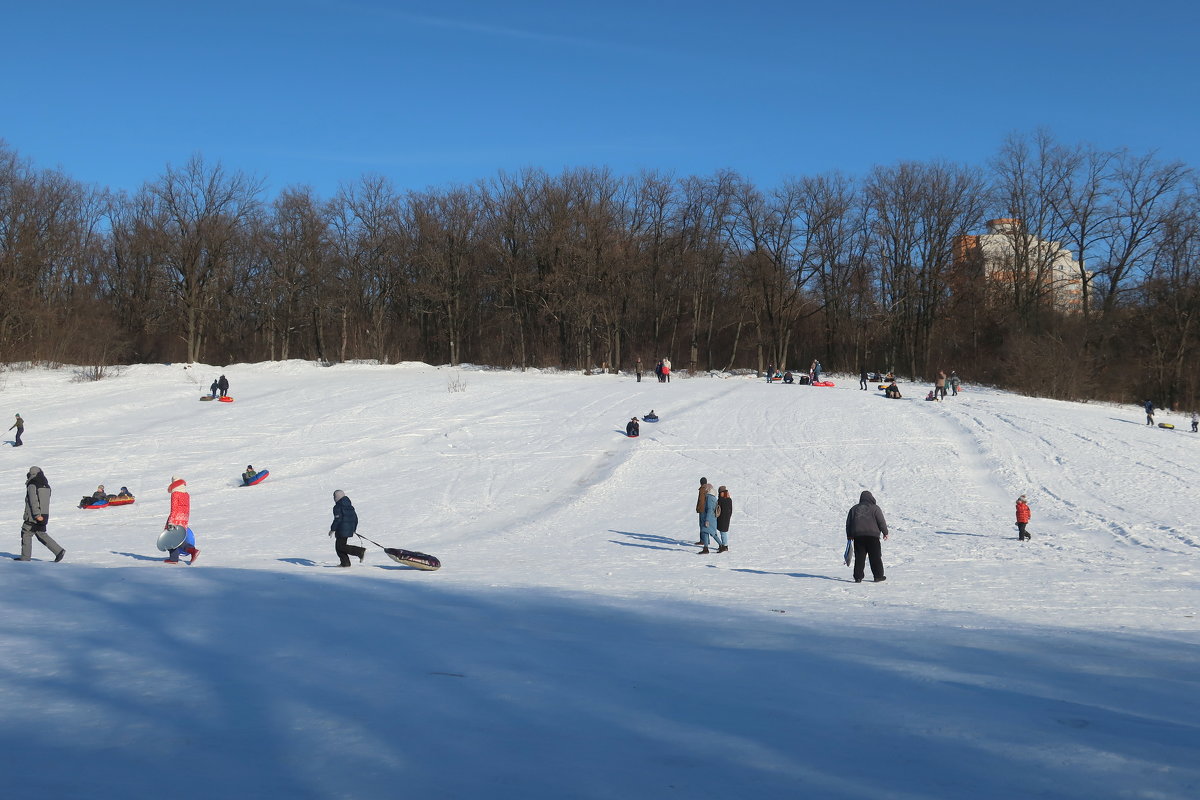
(574, 644)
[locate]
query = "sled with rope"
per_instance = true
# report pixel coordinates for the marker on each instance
(409, 558)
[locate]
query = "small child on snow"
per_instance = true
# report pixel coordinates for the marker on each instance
(181, 507)
(1022, 519)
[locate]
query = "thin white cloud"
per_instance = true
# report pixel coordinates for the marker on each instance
(484, 28)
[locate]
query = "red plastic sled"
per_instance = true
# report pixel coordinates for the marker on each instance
(225, 399)
(823, 383)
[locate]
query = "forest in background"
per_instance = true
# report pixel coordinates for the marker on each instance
(589, 270)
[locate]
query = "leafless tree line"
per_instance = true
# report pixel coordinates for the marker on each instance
(587, 269)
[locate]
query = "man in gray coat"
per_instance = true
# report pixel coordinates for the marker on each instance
(37, 514)
(864, 525)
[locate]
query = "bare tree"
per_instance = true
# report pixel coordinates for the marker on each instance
(917, 210)
(1143, 195)
(370, 257)
(202, 210)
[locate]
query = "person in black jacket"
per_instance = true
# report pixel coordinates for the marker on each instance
(862, 379)
(864, 525)
(345, 524)
(223, 385)
(724, 512)
(632, 428)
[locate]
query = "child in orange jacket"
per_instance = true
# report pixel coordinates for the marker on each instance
(1022, 519)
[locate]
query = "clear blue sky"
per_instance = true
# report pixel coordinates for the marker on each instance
(435, 93)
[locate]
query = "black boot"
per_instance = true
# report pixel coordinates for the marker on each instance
(722, 549)
(703, 552)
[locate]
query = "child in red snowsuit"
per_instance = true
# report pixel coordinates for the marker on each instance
(1022, 518)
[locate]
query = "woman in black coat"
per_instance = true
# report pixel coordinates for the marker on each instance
(724, 512)
(345, 523)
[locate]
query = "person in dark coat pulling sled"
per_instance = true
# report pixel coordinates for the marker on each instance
(345, 524)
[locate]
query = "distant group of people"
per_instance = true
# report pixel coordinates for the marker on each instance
(715, 508)
(865, 377)
(1149, 408)
(786, 376)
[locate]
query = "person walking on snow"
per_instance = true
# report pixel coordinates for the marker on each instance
(20, 426)
(345, 525)
(1149, 412)
(862, 379)
(1195, 421)
(214, 388)
(940, 386)
(864, 526)
(1022, 519)
(700, 505)
(724, 512)
(37, 514)
(223, 385)
(708, 517)
(177, 521)
(954, 382)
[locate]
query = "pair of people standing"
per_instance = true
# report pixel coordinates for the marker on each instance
(221, 385)
(663, 370)
(715, 508)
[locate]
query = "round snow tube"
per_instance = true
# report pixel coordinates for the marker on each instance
(258, 478)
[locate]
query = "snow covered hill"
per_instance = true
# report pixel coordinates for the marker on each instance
(574, 645)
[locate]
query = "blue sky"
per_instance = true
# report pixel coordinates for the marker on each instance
(437, 93)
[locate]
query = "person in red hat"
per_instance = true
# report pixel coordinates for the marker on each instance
(177, 520)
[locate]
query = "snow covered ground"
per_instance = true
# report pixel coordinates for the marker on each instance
(574, 645)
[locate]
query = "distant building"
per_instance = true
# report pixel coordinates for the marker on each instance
(1008, 257)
